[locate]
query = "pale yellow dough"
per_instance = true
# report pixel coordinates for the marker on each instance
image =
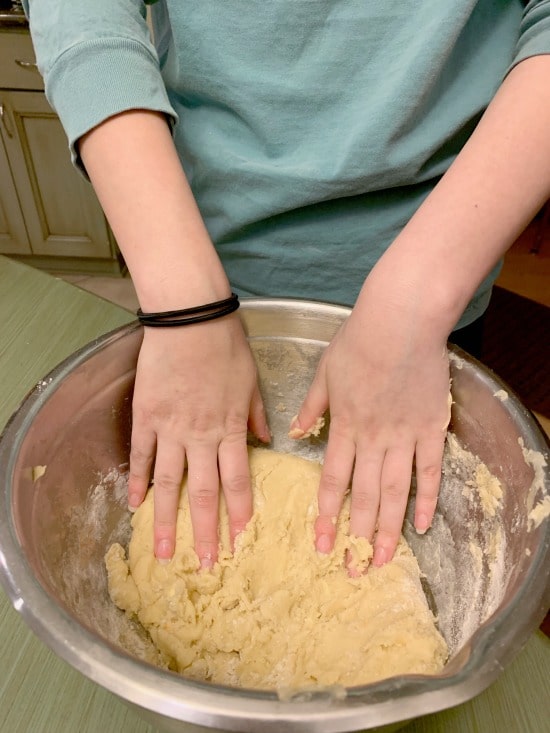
(276, 614)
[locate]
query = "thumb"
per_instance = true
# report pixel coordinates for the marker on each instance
(313, 407)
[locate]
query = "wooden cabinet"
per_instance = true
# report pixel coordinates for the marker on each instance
(49, 214)
(13, 233)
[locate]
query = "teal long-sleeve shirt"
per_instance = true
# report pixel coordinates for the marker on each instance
(310, 130)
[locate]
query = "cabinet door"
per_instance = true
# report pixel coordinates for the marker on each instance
(13, 235)
(61, 211)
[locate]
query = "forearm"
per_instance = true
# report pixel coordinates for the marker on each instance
(137, 175)
(491, 192)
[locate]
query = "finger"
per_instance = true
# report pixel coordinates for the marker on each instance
(335, 478)
(142, 452)
(365, 500)
(395, 483)
(257, 421)
(235, 480)
(313, 407)
(169, 466)
(203, 486)
(429, 458)
(365, 492)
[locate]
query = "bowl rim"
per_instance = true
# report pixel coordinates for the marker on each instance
(328, 710)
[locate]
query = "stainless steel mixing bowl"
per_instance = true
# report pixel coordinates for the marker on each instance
(55, 525)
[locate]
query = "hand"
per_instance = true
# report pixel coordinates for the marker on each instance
(385, 377)
(196, 385)
(196, 390)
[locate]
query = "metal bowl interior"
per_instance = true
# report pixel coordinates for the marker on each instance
(55, 526)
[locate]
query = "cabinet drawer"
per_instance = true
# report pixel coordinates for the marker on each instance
(17, 62)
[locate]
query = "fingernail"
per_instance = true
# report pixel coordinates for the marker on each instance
(380, 557)
(164, 552)
(206, 563)
(353, 572)
(265, 436)
(133, 502)
(422, 524)
(324, 544)
(295, 431)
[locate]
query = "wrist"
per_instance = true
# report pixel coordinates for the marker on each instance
(422, 291)
(167, 287)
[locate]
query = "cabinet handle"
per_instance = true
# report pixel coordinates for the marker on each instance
(30, 65)
(4, 119)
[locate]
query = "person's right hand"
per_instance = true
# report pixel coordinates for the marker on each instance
(195, 394)
(196, 385)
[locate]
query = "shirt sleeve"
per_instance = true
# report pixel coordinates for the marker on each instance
(97, 60)
(534, 37)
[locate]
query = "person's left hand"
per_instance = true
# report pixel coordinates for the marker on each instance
(385, 378)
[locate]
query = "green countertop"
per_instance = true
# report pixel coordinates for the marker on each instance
(44, 320)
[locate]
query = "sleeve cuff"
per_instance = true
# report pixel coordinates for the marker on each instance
(95, 80)
(534, 37)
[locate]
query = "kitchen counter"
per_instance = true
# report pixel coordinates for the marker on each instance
(43, 321)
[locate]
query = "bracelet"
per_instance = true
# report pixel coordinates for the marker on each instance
(186, 316)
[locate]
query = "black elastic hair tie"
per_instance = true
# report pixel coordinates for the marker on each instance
(186, 316)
